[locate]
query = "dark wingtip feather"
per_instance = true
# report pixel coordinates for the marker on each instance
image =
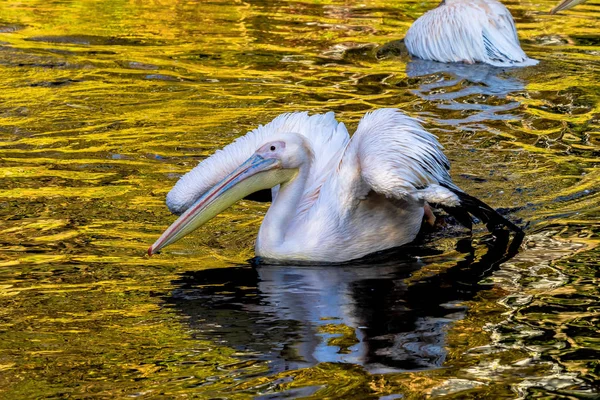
(476, 207)
(460, 214)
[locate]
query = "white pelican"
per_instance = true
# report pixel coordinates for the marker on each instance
(467, 31)
(334, 198)
(565, 5)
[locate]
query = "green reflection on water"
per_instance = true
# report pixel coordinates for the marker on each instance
(103, 104)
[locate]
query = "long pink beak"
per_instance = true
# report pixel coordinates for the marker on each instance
(565, 5)
(232, 188)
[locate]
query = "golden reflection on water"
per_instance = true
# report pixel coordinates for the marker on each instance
(103, 104)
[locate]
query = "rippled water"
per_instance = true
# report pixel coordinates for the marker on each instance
(103, 104)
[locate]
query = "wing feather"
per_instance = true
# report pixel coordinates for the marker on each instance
(393, 155)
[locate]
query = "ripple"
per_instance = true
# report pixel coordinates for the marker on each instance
(104, 105)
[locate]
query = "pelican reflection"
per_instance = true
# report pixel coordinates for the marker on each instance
(479, 91)
(362, 313)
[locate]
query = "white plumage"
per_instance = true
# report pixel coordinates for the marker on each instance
(339, 198)
(467, 31)
(325, 135)
(369, 200)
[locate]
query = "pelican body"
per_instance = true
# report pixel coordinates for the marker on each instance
(335, 198)
(468, 31)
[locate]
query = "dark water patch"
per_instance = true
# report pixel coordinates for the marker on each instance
(14, 112)
(396, 48)
(291, 393)
(138, 65)
(10, 56)
(575, 196)
(53, 84)
(197, 56)
(373, 84)
(521, 15)
(68, 53)
(91, 40)
(373, 79)
(162, 77)
(9, 28)
(573, 100)
(50, 65)
(359, 53)
(586, 40)
(259, 59)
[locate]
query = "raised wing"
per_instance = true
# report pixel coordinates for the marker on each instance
(326, 136)
(393, 155)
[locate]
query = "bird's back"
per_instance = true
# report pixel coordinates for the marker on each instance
(467, 31)
(364, 203)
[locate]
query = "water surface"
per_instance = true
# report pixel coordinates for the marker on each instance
(104, 104)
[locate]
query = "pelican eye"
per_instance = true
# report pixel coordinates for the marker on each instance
(272, 148)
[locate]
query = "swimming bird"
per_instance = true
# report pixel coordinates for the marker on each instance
(335, 198)
(467, 31)
(565, 5)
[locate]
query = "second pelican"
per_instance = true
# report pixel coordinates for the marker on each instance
(334, 198)
(467, 31)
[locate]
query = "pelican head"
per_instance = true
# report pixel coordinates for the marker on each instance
(273, 163)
